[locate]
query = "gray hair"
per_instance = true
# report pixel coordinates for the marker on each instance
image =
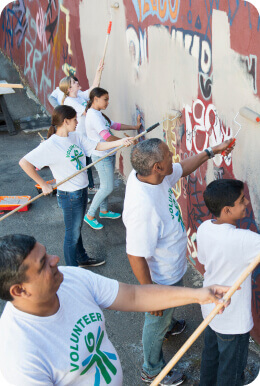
(145, 154)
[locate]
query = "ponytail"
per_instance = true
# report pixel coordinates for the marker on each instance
(89, 104)
(106, 117)
(64, 86)
(52, 130)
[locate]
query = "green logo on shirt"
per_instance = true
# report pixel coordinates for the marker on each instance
(76, 158)
(101, 360)
(74, 152)
(98, 358)
(174, 209)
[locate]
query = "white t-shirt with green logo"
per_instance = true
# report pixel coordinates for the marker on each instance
(70, 347)
(95, 122)
(64, 156)
(154, 227)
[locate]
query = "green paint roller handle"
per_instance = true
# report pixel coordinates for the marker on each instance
(230, 145)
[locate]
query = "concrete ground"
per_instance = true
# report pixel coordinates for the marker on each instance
(44, 220)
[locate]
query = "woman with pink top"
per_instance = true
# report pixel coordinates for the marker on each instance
(98, 127)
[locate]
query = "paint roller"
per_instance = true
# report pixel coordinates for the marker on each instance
(248, 114)
(115, 6)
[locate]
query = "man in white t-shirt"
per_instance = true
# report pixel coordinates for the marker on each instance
(52, 330)
(226, 251)
(156, 239)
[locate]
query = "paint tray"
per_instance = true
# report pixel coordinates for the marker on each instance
(12, 202)
(52, 182)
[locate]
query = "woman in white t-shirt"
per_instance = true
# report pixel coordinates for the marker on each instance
(70, 94)
(64, 152)
(98, 127)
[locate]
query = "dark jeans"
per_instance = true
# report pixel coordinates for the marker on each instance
(224, 359)
(74, 206)
(90, 175)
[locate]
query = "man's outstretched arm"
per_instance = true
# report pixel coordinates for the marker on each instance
(152, 297)
(190, 164)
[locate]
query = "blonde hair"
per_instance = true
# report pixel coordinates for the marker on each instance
(64, 86)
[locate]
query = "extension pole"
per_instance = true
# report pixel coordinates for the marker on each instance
(105, 48)
(206, 321)
(79, 171)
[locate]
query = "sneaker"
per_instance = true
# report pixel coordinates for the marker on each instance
(91, 262)
(178, 328)
(172, 378)
(112, 215)
(94, 224)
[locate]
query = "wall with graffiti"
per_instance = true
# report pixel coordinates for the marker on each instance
(199, 57)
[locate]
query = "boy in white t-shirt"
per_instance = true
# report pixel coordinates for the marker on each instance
(225, 251)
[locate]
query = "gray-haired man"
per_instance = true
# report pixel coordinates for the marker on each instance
(156, 239)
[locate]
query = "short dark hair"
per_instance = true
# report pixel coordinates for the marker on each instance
(145, 154)
(221, 193)
(13, 250)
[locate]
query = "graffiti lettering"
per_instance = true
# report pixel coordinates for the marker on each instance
(207, 129)
(40, 24)
(14, 23)
(51, 28)
(250, 62)
(162, 9)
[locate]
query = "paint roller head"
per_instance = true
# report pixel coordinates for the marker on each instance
(175, 114)
(249, 114)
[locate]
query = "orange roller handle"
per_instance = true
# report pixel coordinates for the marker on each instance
(109, 27)
(230, 145)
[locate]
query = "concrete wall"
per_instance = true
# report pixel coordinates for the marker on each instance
(199, 57)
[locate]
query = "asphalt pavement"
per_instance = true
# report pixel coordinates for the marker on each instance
(44, 220)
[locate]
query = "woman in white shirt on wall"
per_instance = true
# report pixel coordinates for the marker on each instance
(98, 127)
(64, 152)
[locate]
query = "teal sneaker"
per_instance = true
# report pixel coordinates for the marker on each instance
(94, 224)
(112, 215)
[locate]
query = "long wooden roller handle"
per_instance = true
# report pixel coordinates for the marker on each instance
(206, 322)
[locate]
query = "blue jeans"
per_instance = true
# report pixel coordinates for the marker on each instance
(105, 169)
(90, 175)
(155, 328)
(224, 359)
(74, 205)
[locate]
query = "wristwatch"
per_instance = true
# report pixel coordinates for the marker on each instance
(209, 152)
